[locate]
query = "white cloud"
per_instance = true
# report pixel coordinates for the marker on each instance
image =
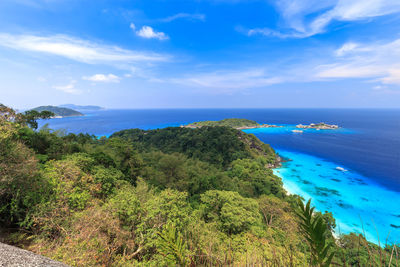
(69, 88)
(103, 78)
(393, 77)
(305, 18)
(149, 33)
(347, 47)
(132, 26)
(380, 62)
(200, 17)
(77, 49)
(229, 80)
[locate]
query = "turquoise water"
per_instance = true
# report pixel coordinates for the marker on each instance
(288, 129)
(355, 200)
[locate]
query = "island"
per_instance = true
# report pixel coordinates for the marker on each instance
(82, 108)
(245, 124)
(318, 126)
(59, 112)
(239, 124)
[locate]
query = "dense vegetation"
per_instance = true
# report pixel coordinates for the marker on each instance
(175, 196)
(234, 123)
(59, 111)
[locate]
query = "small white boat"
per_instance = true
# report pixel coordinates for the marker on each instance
(341, 169)
(297, 131)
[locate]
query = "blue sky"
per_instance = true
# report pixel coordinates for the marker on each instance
(200, 53)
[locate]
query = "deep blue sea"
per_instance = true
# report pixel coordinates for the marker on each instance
(364, 196)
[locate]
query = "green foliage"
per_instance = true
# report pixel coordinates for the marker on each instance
(216, 145)
(126, 205)
(254, 179)
(232, 212)
(234, 123)
(107, 178)
(172, 246)
(315, 231)
(30, 117)
(21, 187)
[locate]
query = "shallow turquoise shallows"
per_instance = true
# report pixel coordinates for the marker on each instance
(355, 201)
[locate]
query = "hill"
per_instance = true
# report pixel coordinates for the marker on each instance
(59, 111)
(81, 108)
(216, 145)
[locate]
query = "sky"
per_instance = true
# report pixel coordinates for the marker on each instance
(200, 53)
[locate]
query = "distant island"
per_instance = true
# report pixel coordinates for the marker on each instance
(243, 124)
(239, 124)
(82, 108)
(59, 112)
(318, 126)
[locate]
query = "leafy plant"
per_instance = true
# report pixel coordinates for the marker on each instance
(172, 245)
(315, 231)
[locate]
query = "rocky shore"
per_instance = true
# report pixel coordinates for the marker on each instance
(318, 126)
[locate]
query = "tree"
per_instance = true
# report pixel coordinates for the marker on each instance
(28, 118)
(232, 212)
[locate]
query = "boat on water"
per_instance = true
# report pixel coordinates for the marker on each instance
(341, 169)
(297, 131)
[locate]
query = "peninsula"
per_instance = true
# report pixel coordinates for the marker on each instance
(239, 124)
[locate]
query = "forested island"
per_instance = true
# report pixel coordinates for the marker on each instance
(59, 111)
(239, 124)
(165, 197)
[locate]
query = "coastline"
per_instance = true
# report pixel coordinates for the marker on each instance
(357, 204)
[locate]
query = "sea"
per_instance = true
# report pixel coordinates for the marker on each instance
(353, 172)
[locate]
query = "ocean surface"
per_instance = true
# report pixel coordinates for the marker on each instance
(363, 193)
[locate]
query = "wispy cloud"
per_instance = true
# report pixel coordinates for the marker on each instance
(188, 16)
(304, 18)
(105, 78)
(69, 88)
(228, 81)
(149, 33)
(77, 49)
(380, 62)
